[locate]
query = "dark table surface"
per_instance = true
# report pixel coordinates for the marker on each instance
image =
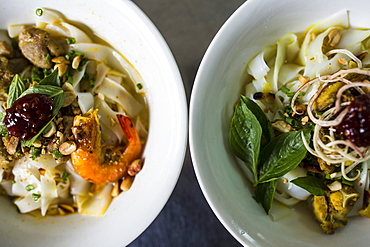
(188, 27)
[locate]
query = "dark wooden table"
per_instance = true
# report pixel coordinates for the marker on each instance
(188, 27)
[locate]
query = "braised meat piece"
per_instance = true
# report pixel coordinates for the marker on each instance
(6, 76)
(33, 43)
(6, 50)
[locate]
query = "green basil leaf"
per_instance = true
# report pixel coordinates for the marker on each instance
(245, 136)
(265, 194)
(48, 90)
(267, 130)
(312, 184)
(282, 155)
(52, 79)
(3, 128)
(15, 90)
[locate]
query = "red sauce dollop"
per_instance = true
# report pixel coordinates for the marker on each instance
(28, 115)
(355, 126)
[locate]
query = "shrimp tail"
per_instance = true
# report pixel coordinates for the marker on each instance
(133, 151)
(99, 163)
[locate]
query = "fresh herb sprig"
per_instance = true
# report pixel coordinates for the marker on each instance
(49, 86)
(279, 155)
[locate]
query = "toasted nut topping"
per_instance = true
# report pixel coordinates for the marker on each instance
(135, 167)
(42, 171)
(343, 61)
(11, 146)
(37, 143)
(61, 211)
(68, 147)
(67, 207)
(335, 186)
(126, 183)
(50, 130)
(333, 37)
(300, 109)
(70, 95)
(62, 68)
(304, 120)
(76, 61)
(115, 190)
(303, 79)
(60, 59)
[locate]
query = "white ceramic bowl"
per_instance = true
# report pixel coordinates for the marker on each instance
(125, 27)
(256, 24)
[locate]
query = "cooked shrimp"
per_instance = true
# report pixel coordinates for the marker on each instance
(99, 163)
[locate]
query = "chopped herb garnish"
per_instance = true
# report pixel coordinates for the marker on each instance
(65, 176)
(36, 197)
(35, 152)
(82, 63)
(57, 154)
(3, 128)
(92, 82)
(284, 89)
(139, 86)
(70, 79)
(79, 53)
(14, 182)
(48, 57)
(70, 40)
(39, 12)
(70, 54)
(30, 187)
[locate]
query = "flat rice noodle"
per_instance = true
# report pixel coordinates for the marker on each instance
(118, 94)
(352, 37)
(48, 191)
(97, 204)
(340, 19)
(289, 72)
(108, 55)
(15, 30)
(106, 116)
(258, 66)
(287, 50)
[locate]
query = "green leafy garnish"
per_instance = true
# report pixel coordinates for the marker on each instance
(15, 90)
(282, 155)
(65, 176)
(30, 187)
(70, 40)
(139, 86)
(48, 57)
(35, 152)
(36, 197)
(39, 12)
(265, 194)
(245, 136)
(267, 130)
(312, 184)
(3, 128)
(269, 161)
(57, 154)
